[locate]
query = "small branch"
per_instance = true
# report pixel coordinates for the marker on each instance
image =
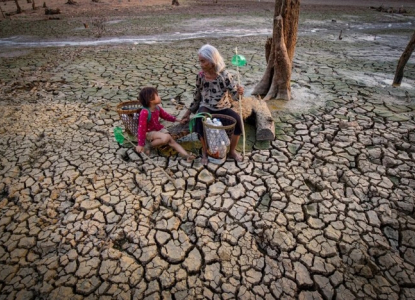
(2, 12)
(403, 60)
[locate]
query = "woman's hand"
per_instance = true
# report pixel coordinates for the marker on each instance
(183, 120)
(240, 90)
(186, 117)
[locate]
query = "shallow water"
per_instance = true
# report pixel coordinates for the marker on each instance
(219, 27)
(18, 41)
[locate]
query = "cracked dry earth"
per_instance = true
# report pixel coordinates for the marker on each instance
(325, 211)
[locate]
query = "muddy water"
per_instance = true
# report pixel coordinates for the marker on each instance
(153, 39)
(221, 27)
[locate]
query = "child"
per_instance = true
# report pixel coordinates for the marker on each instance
(149, 127)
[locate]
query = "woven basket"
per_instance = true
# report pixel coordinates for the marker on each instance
(129, 112)
(228, 127)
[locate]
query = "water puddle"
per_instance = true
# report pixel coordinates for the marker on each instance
(319, 25)
(18, 41)
(215, 27)
(353, 31)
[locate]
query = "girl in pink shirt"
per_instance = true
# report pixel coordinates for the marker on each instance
(150, 129)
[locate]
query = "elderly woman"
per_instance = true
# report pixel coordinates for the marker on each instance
(211, 84)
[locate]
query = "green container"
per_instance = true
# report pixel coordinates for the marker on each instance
(238, 60)
(119, 137)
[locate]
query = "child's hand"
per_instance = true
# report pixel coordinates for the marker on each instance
(139, 148)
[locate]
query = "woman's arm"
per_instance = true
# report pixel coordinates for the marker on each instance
(197, 95)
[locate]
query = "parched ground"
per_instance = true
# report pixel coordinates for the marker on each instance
(324, 211)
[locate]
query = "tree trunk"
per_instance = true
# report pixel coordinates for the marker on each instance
(275, 82)
(268, 47)
(19, 9)
(403, 60)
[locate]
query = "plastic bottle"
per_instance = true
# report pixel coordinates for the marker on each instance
(222, 150)
(222, 133)
(210, 134)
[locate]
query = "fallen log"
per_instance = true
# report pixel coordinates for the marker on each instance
(256, 109)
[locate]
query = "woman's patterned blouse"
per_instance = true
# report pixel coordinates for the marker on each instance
(209, 92)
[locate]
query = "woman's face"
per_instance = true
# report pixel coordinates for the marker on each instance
(206, 65)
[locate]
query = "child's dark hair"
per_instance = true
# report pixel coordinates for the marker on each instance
(146, 95)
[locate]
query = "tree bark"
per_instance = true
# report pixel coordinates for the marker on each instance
(280, 86)
(275, 82)
(403, 60)
(268, 47)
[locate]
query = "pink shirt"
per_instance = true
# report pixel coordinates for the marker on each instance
(153, 124)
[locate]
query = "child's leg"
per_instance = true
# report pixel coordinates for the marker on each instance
(176, 146)
(159, 138)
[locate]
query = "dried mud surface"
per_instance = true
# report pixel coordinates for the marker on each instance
(324, 211)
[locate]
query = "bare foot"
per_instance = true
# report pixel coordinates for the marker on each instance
(189, 158)
(235, 156)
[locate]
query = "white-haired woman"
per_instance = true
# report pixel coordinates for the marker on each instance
(211, 84)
